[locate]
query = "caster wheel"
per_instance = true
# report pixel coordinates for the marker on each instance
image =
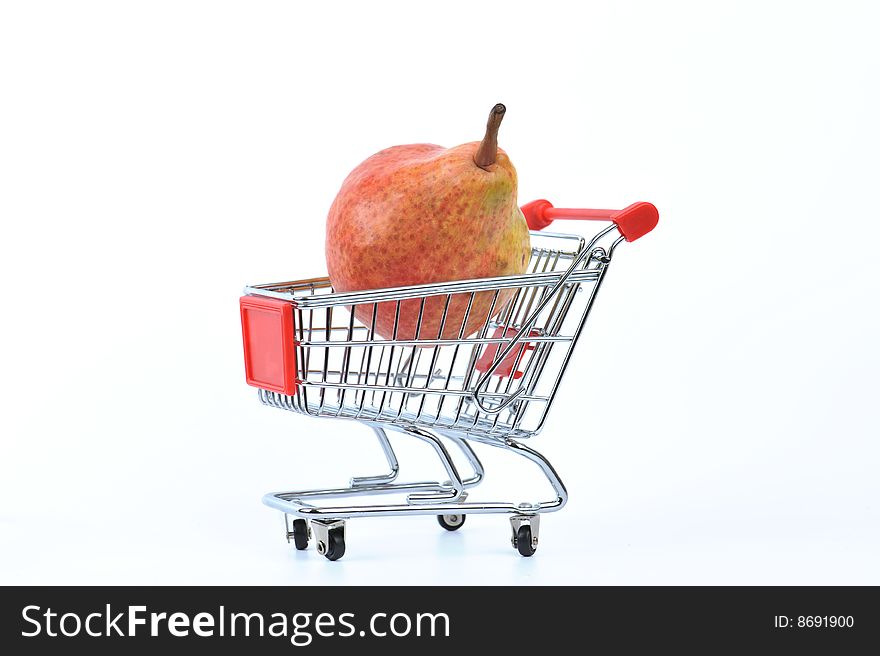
(300, 534)
(335, 548)
(451, 522)
(524, 541)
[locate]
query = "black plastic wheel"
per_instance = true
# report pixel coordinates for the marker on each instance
(300, 534)
(336, 544)
(451, 522)
(524, 541)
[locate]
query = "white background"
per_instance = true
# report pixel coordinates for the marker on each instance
(719, 423)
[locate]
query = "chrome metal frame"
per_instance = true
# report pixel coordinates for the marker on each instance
(425, 498)
(494, 390)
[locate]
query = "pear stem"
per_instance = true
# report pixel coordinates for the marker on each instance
(488, 150)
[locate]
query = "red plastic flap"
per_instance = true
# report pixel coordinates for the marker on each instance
(269, 347)
(485, 361)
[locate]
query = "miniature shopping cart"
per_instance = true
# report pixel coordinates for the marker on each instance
(307, 352)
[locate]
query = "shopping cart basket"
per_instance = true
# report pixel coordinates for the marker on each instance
(306, 352)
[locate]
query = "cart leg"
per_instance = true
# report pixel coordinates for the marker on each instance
(388, 450)
(455, 483)
(358, 481)
(454, 521)
(472, 459)
(549, 472)
(526, 524)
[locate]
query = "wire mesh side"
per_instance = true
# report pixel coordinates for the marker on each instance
(425, 372)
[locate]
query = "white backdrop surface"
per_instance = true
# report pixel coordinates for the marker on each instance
(719, 423)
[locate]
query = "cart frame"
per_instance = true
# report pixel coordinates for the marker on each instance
(288, 327)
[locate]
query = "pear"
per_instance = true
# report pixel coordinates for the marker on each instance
(421, 213)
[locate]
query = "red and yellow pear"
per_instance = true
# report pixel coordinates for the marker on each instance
(422, 213)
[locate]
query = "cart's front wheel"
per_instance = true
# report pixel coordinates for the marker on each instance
(524, 541)
(335, 548)
(451, 522)
(300, 534)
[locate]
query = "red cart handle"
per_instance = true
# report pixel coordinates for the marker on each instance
(633, 222)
